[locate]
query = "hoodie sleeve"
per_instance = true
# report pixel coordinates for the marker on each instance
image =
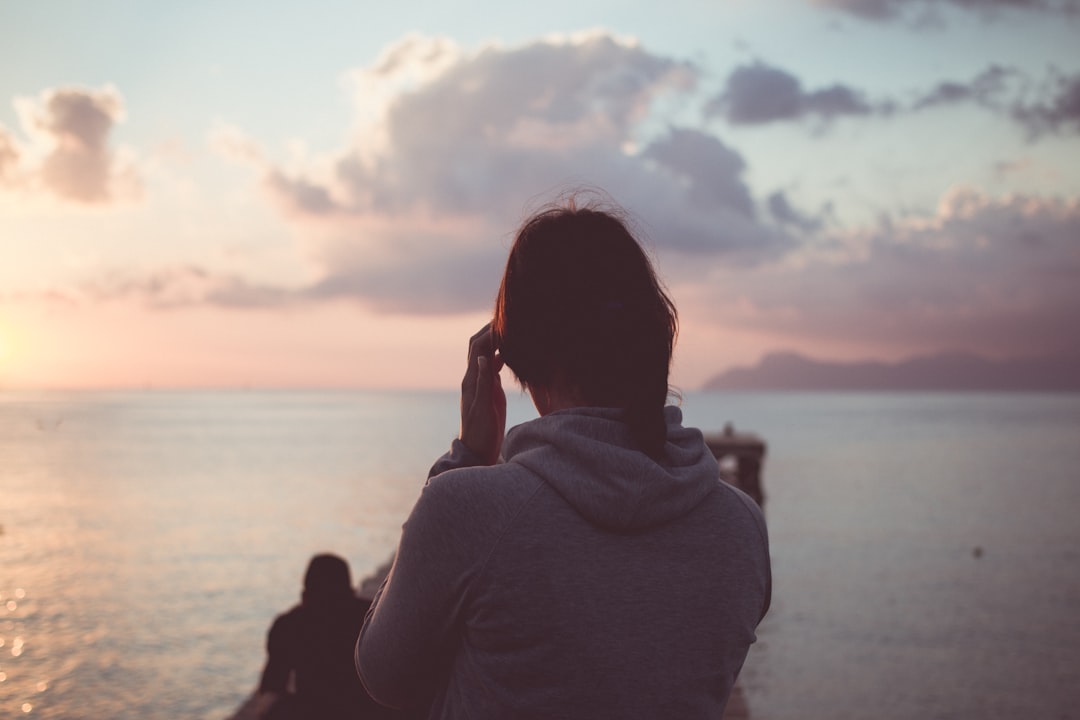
(409, 634)
(417, 621)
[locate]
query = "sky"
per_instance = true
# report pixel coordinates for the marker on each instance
(323, 194)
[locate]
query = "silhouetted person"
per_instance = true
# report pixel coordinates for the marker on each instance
(590, 563)
(310, 665)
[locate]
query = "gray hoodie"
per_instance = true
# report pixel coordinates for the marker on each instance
(577, 579)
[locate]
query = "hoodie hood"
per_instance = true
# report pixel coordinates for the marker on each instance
(589, 457)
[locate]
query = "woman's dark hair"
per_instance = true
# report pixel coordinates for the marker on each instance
(327, 581)
(580, 305)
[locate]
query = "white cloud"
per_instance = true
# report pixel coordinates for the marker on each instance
(453, 147)
(231, 142)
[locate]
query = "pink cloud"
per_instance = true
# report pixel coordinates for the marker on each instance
(990, 275)
(69, 153)
(9, 157)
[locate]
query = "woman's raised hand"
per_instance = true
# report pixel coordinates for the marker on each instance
(483, 402)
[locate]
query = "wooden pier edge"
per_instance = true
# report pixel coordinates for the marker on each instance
(748, 452)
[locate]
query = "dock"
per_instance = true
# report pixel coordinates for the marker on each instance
(747, 450)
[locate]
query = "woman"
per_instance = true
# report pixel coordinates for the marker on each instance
(592, 564)
(308, 671)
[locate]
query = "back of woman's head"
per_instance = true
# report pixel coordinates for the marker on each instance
(327, 581)
(581, 308)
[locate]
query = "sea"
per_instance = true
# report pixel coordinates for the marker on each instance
(925, 547)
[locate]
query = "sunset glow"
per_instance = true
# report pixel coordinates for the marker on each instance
(329, 200)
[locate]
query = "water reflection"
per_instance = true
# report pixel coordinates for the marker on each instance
(21, 676)
(200, 507)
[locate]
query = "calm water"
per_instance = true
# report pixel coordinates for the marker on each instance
(149, 538)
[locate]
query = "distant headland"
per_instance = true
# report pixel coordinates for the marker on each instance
(941, 372)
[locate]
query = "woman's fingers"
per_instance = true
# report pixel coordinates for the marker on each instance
(481, 343)
(479, 346)
(483, 402)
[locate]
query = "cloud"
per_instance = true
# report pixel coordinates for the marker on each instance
(431, 283)
(758, 93)
(1051, 106)
(482, 126)
(183, 286)
(892, 9)
(300, 196)
(69, 154)
(1005, 168)
(452, 148)
(990, 275)
(785, 214)
(1058, 111)
(9, 157)
(232, 143)
(984, 89)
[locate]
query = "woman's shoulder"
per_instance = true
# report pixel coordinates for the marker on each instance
(469, 509)
(477, 483)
